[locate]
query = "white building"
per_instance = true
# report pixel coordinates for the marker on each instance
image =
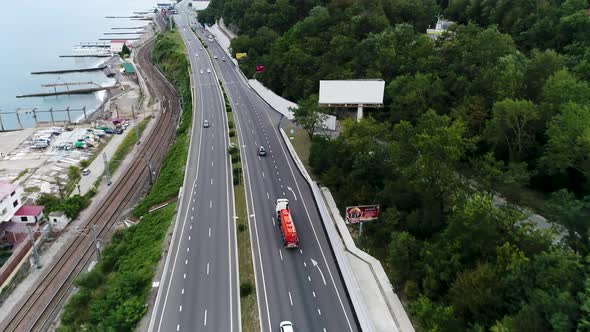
(28, 214)
(441, 26)
(10, 201)
(58, 220)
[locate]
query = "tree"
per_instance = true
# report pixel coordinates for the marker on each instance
(568, 145)
(432, 316)
(492, 174)
(412, 95)
(563, 87)
(308, 115)
(511, 126)
(404, 253)
(427, 155)
(565, 209)
(477, 293)
(584, 323)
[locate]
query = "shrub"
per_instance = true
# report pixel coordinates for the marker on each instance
(242, 227)
(230, 124)
(232, 133)
(246, 289)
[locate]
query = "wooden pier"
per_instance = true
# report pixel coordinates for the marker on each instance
(65, 71)
(123, 33)
(68, 92)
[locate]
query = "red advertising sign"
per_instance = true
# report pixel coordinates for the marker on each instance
(259, 68)
(361, 213)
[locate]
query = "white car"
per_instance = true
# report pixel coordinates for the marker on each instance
(286, 326)
(208, 70)
(215, 57)
(201, 71)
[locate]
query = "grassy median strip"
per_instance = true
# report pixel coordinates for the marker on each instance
(248, 303)
(113, 296)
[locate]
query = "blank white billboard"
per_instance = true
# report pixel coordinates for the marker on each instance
(352, 92)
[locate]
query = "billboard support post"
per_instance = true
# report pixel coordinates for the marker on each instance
(360, 230)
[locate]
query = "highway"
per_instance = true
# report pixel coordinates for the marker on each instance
(301, 285)
(199, 286)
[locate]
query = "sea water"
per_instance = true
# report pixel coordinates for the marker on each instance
(36, 32)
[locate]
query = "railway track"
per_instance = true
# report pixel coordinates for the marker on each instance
(39, 308)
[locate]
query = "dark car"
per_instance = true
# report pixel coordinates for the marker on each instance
(261, 151)
(119, 131)
(109, 131)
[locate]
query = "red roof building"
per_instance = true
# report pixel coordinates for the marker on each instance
(28, 214)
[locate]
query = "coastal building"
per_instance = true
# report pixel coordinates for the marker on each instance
(58, 220)
(128, 69)
(441, 26)
(28, 214)
(117, 46)
(12, 208)
(10, 201)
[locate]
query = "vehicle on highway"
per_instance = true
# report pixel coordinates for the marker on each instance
(288, 231)
(286, 326)
(85, 171)
(215, 57)
(201, 71)
(208, 70)
(261, 151)
(206, 123)
(223, 59)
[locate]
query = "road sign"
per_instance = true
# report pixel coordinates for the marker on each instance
(361, 213)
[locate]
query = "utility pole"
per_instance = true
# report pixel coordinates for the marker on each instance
(149, 165)
(106, 167)
(35, 252)
(96, 242)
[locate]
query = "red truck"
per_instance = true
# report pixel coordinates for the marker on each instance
(288, 231)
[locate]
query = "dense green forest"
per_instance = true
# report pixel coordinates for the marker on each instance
(498, 104)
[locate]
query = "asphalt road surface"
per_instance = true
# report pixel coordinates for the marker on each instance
(301, 285)
(199, 291)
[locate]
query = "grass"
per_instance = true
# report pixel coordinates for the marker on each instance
(302, 145)
(21, 174)
(127, 145)
(248, 303)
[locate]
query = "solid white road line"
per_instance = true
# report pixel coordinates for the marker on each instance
(290, 299)
(281, 254)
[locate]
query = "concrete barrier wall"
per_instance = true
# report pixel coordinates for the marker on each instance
(394, 305)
